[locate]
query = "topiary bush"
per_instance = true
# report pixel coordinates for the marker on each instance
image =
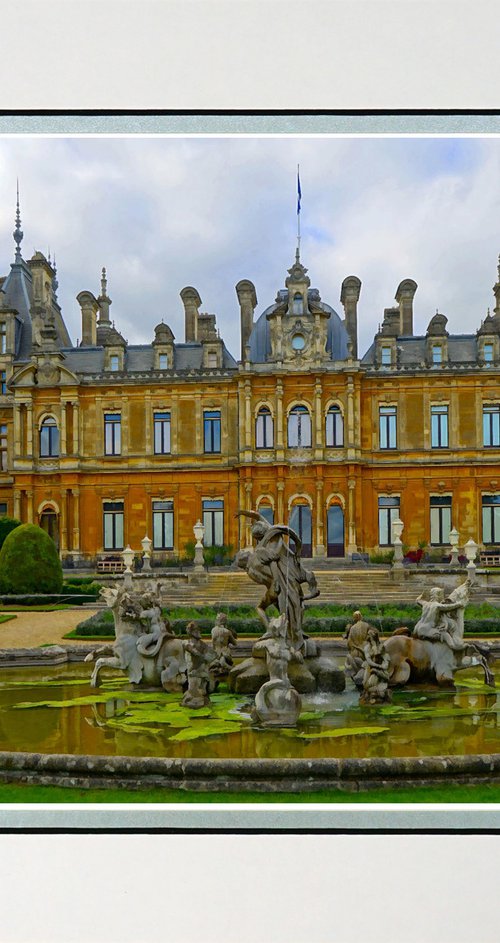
(29, 562)
(6, 525)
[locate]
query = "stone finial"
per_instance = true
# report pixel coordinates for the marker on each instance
(18, 233)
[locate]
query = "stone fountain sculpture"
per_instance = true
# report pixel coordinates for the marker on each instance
(274, 563)
(277, 703)
(223, 639)
(436, 649)
(145, 646)
(199, 658)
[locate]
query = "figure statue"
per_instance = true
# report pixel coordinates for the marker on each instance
(277, 703)
(275, 564)
(199, 656)
(356, 634)
(443, 621)
(376, 671)
(155, 657)
(222, 639)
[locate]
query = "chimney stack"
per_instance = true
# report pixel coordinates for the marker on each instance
(191, 301)
(247, 298)
(404, 298)
(349, 297)
(90, 307)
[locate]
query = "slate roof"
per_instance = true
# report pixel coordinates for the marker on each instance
(139, 358)
(462, 348)
(18, 294)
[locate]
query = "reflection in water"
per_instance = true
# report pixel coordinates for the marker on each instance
(419, 723)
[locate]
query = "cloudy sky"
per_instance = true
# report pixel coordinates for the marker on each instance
(162, 213)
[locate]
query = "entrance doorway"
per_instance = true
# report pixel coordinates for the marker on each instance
(49, 522)
(335, 531)
(301, 523)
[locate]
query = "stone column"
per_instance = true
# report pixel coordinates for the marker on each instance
(248, 507)
(320, 549)
(17, 430)
(280, 485)
(63, 521)
(174, 425)
(199, 425)
(319, 420)
(17, 504)
(64, 442)
(29, 507)
(279, 420)
(76, 437)
(248, 420)
(350, 418)
(351, 526)
(29, 429)
(76, 520)
(125, 427)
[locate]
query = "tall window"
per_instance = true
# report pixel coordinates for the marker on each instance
(334, 428)
(264, 438)
(3, 382)
(3, 448)
(211, 431)
(440, 519)
(388, 427)
(488, 353)
(3, 337)
(162, 433)
(163, 525)
(388, 511)
(491, 518)
(491, 426)
(114, 363)
(163, 361)
(113, 525)
(213, 519)
(49, 438)
(439, 427)
(386, 356)
(298, 304)
(267, 512)
(437, 353)
(299, 428)
(3, 509)
(112, 434)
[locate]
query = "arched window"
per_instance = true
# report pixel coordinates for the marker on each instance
(49, 438)
(334, 428)
(299, 428)
(298, 304)
(264, 433)
(266, 509)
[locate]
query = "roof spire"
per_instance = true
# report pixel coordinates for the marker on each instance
(55, 283)
(299, 197)
(18, 233)
(104, 283)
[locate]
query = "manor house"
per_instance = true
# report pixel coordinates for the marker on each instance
(105, 442)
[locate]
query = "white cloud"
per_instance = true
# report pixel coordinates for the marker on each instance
(162, 213)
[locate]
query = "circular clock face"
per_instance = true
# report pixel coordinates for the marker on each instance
(298, 342)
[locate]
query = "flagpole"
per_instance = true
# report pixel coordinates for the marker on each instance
(298, 211)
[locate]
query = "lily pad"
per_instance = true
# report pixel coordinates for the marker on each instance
(311, 715)
(206, 729)
(337, 732)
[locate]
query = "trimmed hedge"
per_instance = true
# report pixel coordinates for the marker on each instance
(7, 524)
(29, 562)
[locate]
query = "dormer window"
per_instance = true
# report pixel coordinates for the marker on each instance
(114, 363)
(212, 361)
(163, 361)
(488, 353)
(437, 353)
(49, 438)
(298, 304)
(3, 337)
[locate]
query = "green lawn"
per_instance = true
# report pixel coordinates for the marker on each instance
(446, 793)
(6, 618)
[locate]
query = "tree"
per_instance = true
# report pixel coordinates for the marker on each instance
(29, 562)
(6, 525)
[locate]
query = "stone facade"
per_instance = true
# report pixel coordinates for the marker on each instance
(106, 441)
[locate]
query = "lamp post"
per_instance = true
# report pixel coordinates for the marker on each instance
(146, 544)
(454, 538)
(471, 549)
(128, 558)
(397, 528)
(199, 532)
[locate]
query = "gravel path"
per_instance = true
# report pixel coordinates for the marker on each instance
(31, 629)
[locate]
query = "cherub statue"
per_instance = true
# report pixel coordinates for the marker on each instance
(277, 703)
(376, 671)
(222, 639)
(442, 620)
(199, 656)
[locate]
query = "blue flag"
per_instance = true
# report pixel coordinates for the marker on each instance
(299, 192)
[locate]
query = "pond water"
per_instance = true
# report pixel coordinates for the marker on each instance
(56, 711)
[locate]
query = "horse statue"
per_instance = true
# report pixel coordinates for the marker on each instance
(155, 657)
